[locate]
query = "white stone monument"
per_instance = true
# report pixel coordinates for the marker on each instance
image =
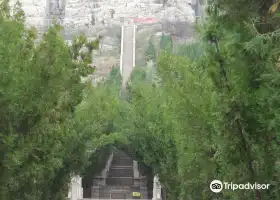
(156, 189)
(76, 189)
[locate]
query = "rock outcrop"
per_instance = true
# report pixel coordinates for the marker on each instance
(105, 17)
(89, 13)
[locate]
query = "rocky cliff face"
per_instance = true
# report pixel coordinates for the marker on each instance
(105, 17)
(87, 14)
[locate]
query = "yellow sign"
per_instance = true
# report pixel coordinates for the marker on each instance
(136, 194)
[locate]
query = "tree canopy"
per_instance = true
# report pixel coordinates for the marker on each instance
(208, 111)
(46, 132)
(214, 114)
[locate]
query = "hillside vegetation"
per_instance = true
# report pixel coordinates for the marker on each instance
(210, 110)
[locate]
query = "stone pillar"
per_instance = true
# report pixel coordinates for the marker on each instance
(156, 189)
(76, 189)
(135, 169)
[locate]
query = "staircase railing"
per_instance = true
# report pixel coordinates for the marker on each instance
(105, 171)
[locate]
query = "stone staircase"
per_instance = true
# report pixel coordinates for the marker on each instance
(120, 177)
(120, 182)
(121, 171)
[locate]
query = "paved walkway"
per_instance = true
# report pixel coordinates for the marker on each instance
(127, 54)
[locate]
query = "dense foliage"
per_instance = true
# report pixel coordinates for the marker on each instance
(209, 111)
(51, 123)
(150, 52)
(214, 114)
(165, 43)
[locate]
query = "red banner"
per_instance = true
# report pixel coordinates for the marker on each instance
(144, 20)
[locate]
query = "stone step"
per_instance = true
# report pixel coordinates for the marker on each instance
(122, 162)
(95, 192)
(116, 192)
(117, 157)
(105, 192)
(120, 153)
(121, 172)
(122, 158)
(120, 181)
(118, 195)
(121, 167)
(117, 187)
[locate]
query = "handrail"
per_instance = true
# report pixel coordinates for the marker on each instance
(105, 171)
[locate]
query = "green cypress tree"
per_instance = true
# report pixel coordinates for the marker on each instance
(150, 52)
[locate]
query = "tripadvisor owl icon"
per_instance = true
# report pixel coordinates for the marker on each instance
(216, 186)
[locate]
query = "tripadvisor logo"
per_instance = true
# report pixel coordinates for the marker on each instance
(217, 186)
